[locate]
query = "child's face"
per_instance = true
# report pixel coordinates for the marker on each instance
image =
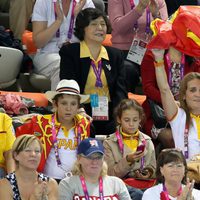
(129, 121)
(67, 107)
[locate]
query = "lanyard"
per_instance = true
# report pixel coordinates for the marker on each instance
(79, 135)
(186, 149)
(101, 196)
(121, 147)
(55, 141)
(147, 29)
(97, 73)
(170, 68)
(58, 31)
(165, 194)
(71, 25)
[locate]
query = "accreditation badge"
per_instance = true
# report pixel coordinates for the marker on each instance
(137, 50)
(99, 108)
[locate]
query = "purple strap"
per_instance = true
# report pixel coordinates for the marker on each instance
(71, 25)
(148, 20)
(58, 31)
(97, 73)
(55, 141)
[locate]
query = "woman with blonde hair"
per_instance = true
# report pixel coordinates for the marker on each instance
(90, 178)
(18, 185)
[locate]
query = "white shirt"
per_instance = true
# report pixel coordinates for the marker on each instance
(67, 150)
(44, 11)
(178, 129)
(153, 193)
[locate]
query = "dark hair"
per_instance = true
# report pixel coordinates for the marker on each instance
(183, 87)
(167, 156)
(189, 59)
(127, 104)
(84, 18)
(60, 96)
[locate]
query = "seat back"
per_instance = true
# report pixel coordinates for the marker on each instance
(10, 63)
(40, 82)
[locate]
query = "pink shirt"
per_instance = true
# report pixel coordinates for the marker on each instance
(122, 19)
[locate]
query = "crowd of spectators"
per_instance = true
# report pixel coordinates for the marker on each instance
(59, 154)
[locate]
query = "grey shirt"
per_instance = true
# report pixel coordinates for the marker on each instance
(113, 189)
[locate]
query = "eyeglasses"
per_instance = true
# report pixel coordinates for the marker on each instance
(92, 157)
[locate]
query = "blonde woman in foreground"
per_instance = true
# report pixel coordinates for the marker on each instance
(26, 183)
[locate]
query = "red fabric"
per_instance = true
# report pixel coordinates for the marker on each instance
(41, 127)
(140, 184)
(164, 29)
(150, 87)
(174, 33)
(33, 128)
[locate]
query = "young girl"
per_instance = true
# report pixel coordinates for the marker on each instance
(129, 152)
(60, 132)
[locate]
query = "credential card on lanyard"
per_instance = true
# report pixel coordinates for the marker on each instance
(101, 111)
(137, 50)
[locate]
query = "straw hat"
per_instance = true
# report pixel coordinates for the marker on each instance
(65, 86)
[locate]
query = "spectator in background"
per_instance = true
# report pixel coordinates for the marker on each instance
(171, 174)
(19, 16)
(90, 179)
(26, 183)
(98, 70)
(7, 139)
(99, 4)
(130, 20)
(53, 25)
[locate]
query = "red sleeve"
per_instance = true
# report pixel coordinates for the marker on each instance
(149, 84)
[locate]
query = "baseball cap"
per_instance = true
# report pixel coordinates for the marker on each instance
(89, 146)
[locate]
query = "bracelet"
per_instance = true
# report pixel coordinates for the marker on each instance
(159, 63)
